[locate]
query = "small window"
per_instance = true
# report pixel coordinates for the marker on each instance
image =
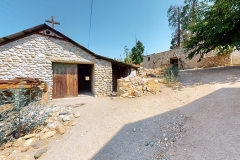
(87, 78)
(148, 58)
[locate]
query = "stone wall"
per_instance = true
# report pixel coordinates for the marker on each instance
(137, 86)
(236, 57)
(32, 56)
(103, 77)
(214, 61)
(163, 59)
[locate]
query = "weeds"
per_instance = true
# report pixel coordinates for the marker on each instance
(171, 75)
(20, 112)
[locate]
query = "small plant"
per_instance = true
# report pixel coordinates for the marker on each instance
(20, 112)
(171, 75)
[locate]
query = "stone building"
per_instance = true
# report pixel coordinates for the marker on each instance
(178, 57)
(67, 67)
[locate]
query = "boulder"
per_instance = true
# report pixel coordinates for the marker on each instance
(29, 142)
(39, 153)
(76, 115)
(24, 148)
(37, 144)
(136, 93)
(66, 118)
(19, 142)
(8, 144)
(29, 136)
(60, 129)
(52, 125)
(47, 135)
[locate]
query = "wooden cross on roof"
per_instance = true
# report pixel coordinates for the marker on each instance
(52, 21)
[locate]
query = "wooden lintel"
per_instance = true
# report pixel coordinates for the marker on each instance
(16, 86)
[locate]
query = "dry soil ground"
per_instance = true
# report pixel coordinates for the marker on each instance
(201, 117)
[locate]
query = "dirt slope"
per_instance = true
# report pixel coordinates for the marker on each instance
(202, 114)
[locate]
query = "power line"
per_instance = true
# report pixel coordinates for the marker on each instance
(13, 15)
(90, 26)
(21, 12)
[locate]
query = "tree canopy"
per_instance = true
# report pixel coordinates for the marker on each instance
(215, 26)
(137, 53)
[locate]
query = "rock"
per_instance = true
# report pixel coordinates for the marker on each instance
(131, 96)
(29, 142)
(40, 152)
(134, 129)
(124, 95)
(136, 93)
(47, 135)
(46, 129)
(52, 125)
(146, 143)
(24, 148)
(76, 115)
(19, 142)
(27, 157)
(60, 129)
(65, 118)
(8, 144)
(64, 113)
(126, 79)
(37, 144)
(73, 123)
(67, 123)
(10, 158)
(29, 136)
(151, 144)
(2, 157)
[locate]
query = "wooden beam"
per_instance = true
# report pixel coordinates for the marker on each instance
(25, 86)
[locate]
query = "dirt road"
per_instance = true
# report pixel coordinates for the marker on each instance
(199, 119)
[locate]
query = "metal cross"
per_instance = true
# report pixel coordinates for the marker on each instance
(52, 21)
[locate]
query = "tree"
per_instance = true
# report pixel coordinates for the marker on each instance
(174, 19)
(137, 53)
(128, 58)
(216, 27)
(188, 13)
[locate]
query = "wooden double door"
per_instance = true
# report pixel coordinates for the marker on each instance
(65, 80)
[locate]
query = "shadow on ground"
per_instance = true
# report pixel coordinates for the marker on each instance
(209, 76)
(209, 126)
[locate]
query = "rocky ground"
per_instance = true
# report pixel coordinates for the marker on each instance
(198, 119)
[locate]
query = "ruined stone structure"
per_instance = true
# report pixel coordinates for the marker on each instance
(43, 52)
(178, 57)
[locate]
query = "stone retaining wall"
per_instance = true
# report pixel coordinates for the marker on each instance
(136, 86)
(32, 56)
(163, 59)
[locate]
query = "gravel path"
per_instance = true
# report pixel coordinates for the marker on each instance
(199, 119)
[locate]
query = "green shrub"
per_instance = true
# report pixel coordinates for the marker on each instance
(20, 112)
(171, 75)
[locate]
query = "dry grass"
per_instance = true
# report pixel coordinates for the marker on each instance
(154, 86)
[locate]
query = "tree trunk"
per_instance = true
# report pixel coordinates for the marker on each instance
(179, 30)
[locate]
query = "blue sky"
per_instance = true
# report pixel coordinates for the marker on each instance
(115, 23)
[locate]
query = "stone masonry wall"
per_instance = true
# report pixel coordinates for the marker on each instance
(32, 56)
(103, 77)
(136, 86)
(163, 59)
